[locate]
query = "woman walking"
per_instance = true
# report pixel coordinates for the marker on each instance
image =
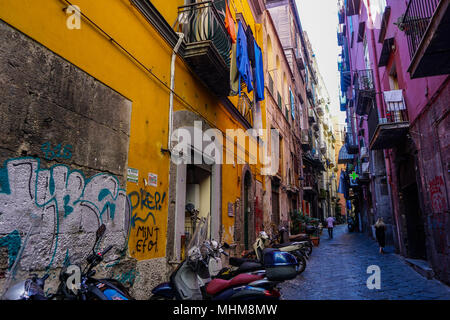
(380, 233)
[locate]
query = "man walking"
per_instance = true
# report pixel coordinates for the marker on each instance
(330, 223)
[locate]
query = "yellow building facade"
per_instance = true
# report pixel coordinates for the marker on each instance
(127, 46)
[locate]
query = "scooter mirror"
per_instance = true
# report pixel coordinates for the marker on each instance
(226, 245)
(100, 231)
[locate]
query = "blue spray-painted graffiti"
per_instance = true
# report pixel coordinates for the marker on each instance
(127, 278)
(71, 206)
(56, 152)
(144, 200)
(12, 242)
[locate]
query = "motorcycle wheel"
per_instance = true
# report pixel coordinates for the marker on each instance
(309, 248)
(301, 262)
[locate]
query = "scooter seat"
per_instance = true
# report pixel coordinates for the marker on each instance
(236, 262)
(282, 245)
(217, 285)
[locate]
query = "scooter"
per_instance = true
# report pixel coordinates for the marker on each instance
(298, 249)
(192, 279)
(89, 288)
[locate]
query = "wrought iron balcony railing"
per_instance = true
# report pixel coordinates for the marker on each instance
(396, 107)
(208, 44)
(201, 22)
(245, 107)
(364, 85)
(416, 20)
(393, 127)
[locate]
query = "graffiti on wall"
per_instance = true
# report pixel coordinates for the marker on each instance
(70, 206)
(145, 232)
(56, 152)
(437, 194)
(438, 217)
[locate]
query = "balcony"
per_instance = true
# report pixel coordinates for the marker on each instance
(352, 148)
(311, 116)
(364, 89)
(364, 153)
(392, 129)
(306, 140)
(352, 7)
(426, 24)
(340, 37)
(309, 183)
(299, 59)
(207, 45)
(323, 147)
(320, 110)
(245, 107)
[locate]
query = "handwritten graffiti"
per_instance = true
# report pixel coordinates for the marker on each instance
(144, 200)
(56, 152)
(147, 239)
(70, 207)
(145, 231)
(437, 194)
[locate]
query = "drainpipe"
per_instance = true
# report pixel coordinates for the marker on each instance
(172, 85)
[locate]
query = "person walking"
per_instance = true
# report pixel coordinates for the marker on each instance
(330, 224)
(380, 233)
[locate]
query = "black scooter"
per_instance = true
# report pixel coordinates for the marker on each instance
(89, 288)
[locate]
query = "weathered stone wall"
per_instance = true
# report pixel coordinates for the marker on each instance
(64, 140)
(431, 133)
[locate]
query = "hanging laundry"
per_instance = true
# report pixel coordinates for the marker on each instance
(259, 73)
(229, 23)
(250, 41)
(234, 73)
(243, 63)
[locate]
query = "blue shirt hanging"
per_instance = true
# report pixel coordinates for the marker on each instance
(259, 72)
(243, 63)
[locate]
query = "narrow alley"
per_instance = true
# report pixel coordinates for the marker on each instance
(337, 269)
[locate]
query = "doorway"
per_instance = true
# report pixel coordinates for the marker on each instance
(415, 229)
(247, 208)
(198, 200)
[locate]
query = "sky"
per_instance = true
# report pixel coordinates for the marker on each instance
(320, 20)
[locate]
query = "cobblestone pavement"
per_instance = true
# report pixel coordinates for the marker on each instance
(337, 270)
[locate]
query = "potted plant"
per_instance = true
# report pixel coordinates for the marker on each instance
(313, 230)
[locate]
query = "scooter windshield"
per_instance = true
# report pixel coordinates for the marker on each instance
(199, 237)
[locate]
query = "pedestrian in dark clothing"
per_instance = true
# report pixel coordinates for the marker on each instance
(380, 233)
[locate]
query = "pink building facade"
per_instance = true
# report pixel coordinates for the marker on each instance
(395, 87)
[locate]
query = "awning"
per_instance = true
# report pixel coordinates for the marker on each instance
(344, 156)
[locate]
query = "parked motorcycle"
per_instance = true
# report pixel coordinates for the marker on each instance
(192, 278)
(89, 288)
(304, 238)
(298, 249)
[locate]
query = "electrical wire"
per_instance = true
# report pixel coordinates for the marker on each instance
(187, 104)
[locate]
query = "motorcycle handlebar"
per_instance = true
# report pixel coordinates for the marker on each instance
(106, 250)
